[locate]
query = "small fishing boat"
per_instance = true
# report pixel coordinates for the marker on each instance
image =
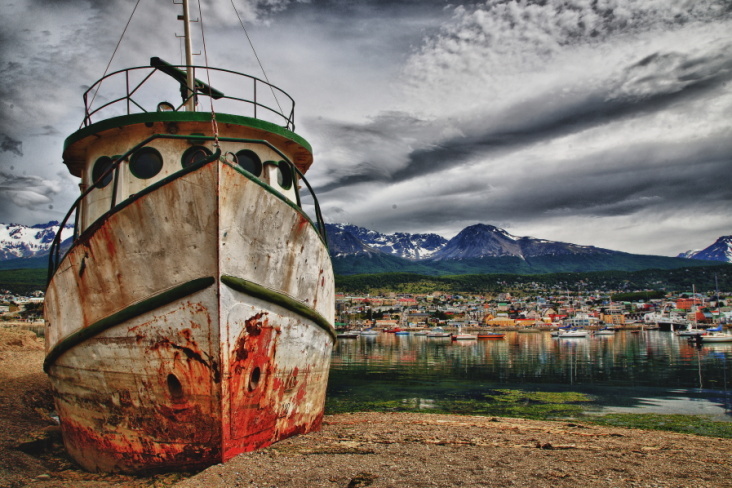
(605, 332)
(689, 331)
(370, 332)
(570, 333)
(491, 335)
(438, 332)
(463, 336)
(192, 317)
(716, 335)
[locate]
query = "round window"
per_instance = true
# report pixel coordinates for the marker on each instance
(146, 163)
(100, 167)
(284, 175)
(194, 154)
(249, 161)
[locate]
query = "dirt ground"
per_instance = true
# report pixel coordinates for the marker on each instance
(370, 449)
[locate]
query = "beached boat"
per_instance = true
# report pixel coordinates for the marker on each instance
(191, 318)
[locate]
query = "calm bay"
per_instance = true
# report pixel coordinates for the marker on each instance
(644, 372)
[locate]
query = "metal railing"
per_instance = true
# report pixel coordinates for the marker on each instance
(55, 257)
(128, 94)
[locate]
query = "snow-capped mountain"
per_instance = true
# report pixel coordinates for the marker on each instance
(473, 242)
(22, 241)
(721, 250)
(347, 239)
(480, 240)
(477, 249)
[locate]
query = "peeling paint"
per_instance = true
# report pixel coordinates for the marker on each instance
(187, 383)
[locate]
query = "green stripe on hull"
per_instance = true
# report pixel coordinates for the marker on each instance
(277, 298)
(125, 314)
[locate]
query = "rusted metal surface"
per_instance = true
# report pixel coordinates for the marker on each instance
(144, 395)
(208, 376)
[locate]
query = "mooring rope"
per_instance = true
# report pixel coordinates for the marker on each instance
(214, 124)
(256, 56)
(115, 52)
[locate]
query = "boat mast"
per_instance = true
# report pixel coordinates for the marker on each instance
(186, 18)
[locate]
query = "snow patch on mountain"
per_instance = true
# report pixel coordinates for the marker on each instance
(22, 241)
(409, 246)
(721, 250)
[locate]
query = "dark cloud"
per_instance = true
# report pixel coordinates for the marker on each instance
(8, 144)
(544, 117)
(29, 192)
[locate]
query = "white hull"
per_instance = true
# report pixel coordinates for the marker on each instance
(189, 326)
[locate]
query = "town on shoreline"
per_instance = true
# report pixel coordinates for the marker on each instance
(522, 311)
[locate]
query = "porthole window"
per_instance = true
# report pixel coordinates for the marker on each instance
(194, 154)
(146, 163)
(284, 175)
(254, 378)
(249, 161)
(100, 167)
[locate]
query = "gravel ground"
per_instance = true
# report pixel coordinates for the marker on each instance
(371, 449)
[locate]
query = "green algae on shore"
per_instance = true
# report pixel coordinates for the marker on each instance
(499, 403)
(536, 405)
(685, 424)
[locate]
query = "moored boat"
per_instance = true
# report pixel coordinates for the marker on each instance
(191, 318)
(570, 333)
(491, 335)
(716, 337)
(716, 334)
(464, 337)
(438, 332)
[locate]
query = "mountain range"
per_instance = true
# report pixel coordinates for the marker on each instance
(721, 250)
(23, 246)
(477, 249)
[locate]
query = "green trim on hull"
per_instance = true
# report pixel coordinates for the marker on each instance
(125, 314)
(152, 117)
(272, 296)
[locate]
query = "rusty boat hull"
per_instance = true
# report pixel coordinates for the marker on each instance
(191, 318)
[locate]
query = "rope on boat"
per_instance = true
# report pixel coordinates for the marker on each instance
(256, 56)
(214, 125)
(115, 52)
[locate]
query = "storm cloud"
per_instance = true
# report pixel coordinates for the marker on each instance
(596, 122)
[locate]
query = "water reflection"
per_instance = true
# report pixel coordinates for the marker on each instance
(622, 370)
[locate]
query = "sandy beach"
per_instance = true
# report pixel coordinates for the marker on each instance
(370, 449)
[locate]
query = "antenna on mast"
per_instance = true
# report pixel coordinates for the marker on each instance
(186, 18)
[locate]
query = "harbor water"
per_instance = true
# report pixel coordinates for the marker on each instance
(628, 372)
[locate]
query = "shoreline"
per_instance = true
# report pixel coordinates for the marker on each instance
(369, 448)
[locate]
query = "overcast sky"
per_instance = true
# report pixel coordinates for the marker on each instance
(596, 122)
